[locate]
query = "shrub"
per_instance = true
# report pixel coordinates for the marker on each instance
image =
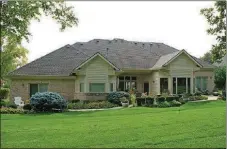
(171, 98)
(4, 93)
(174, 103)
(2, 103)
(198, 93)
(160, 99)
(12, 105)
(164, 104)
(182, 100)
(144, 101)
(6, 110)
(75, 100)
(114, 97)
(47, 101)
(27, 107)
(91, 105)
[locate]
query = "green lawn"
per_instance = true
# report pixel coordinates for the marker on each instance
(194, 125)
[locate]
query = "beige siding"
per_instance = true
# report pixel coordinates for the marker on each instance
(96, 71)
(20, 87)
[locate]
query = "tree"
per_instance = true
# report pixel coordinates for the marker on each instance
(207, 57)
(216, 17)
(13, 56)
(16, 17)
(220, 77)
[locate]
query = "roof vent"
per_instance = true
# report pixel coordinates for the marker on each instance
(143, 44)
(97, 41)
(68, 46)
(135, 43)
(81, 44)
(109, 42)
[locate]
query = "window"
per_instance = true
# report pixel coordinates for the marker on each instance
(126, 83)
(97, 87)
(201, 83)
(111, 87)
(34, 88)
(82, 87)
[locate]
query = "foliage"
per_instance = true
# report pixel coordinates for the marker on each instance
(198, 93)
(114, 97)
(27, 107)
(12, 105)
(174, 103)
(91, 105)
(12, 57)
(4, 93)
(161, 99)
(207, 57)
(6, 110)
(47, 101)
(202, 97)
(171, 98)
(182, 100)
(17, 15)
(144, 101)
(220, 77)
(133, 99)
(2, 103)
(164, 104)
(216, 17)
(75, 100)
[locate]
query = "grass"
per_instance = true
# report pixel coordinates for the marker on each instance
(194, 125)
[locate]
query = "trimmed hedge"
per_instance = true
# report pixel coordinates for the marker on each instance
(4, 93)
(91, 105)
(171, 98)
(143, 101)
(11, 111)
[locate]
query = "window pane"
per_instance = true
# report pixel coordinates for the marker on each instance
(43, 87)
(121, 78)
(121, 86)
(204, 83)
(198, 83)
(111, 87)
(189, 85)
(81, 87)
(127, 78)
(33, 89)
(134, 78)
(127, 86)
(134, 84)
(97, 87)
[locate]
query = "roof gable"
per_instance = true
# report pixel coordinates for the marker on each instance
(94, 56)
(178, 54)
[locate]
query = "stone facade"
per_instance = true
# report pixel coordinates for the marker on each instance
(20, 87)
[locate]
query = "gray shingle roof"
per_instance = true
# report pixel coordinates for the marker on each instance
(222, 63)
(121, 53)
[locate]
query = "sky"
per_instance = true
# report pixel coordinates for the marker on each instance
(178, 24)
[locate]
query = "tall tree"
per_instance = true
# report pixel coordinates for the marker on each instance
(220, 77)
(207, 57)
(216, 17)
(17, 15)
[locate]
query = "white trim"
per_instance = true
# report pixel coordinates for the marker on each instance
(185, 52)
(96, 54)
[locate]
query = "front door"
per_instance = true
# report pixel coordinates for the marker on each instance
(146, 87)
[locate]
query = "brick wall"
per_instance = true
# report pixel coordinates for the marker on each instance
(65, 87)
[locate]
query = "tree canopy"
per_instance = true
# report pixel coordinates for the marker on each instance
(207, 57)
(220, 77)
(17, 15)
(216, 17)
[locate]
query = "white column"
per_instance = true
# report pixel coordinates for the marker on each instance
(186, 85)
(176, 85)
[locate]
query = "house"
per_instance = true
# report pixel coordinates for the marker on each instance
(90, 70)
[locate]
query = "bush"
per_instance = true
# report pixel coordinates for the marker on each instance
(4, 93)
(12, 105)
(2, 103)
(160, 99)
(11, 111)
(171, 98)
(144, 101)
(192, 98)
(75, 100)
(164, 104)
(198, 93)
(174, 103)
(47, 101)
(182, 100)
(114, 97)
(91, 105)
(27, 107)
